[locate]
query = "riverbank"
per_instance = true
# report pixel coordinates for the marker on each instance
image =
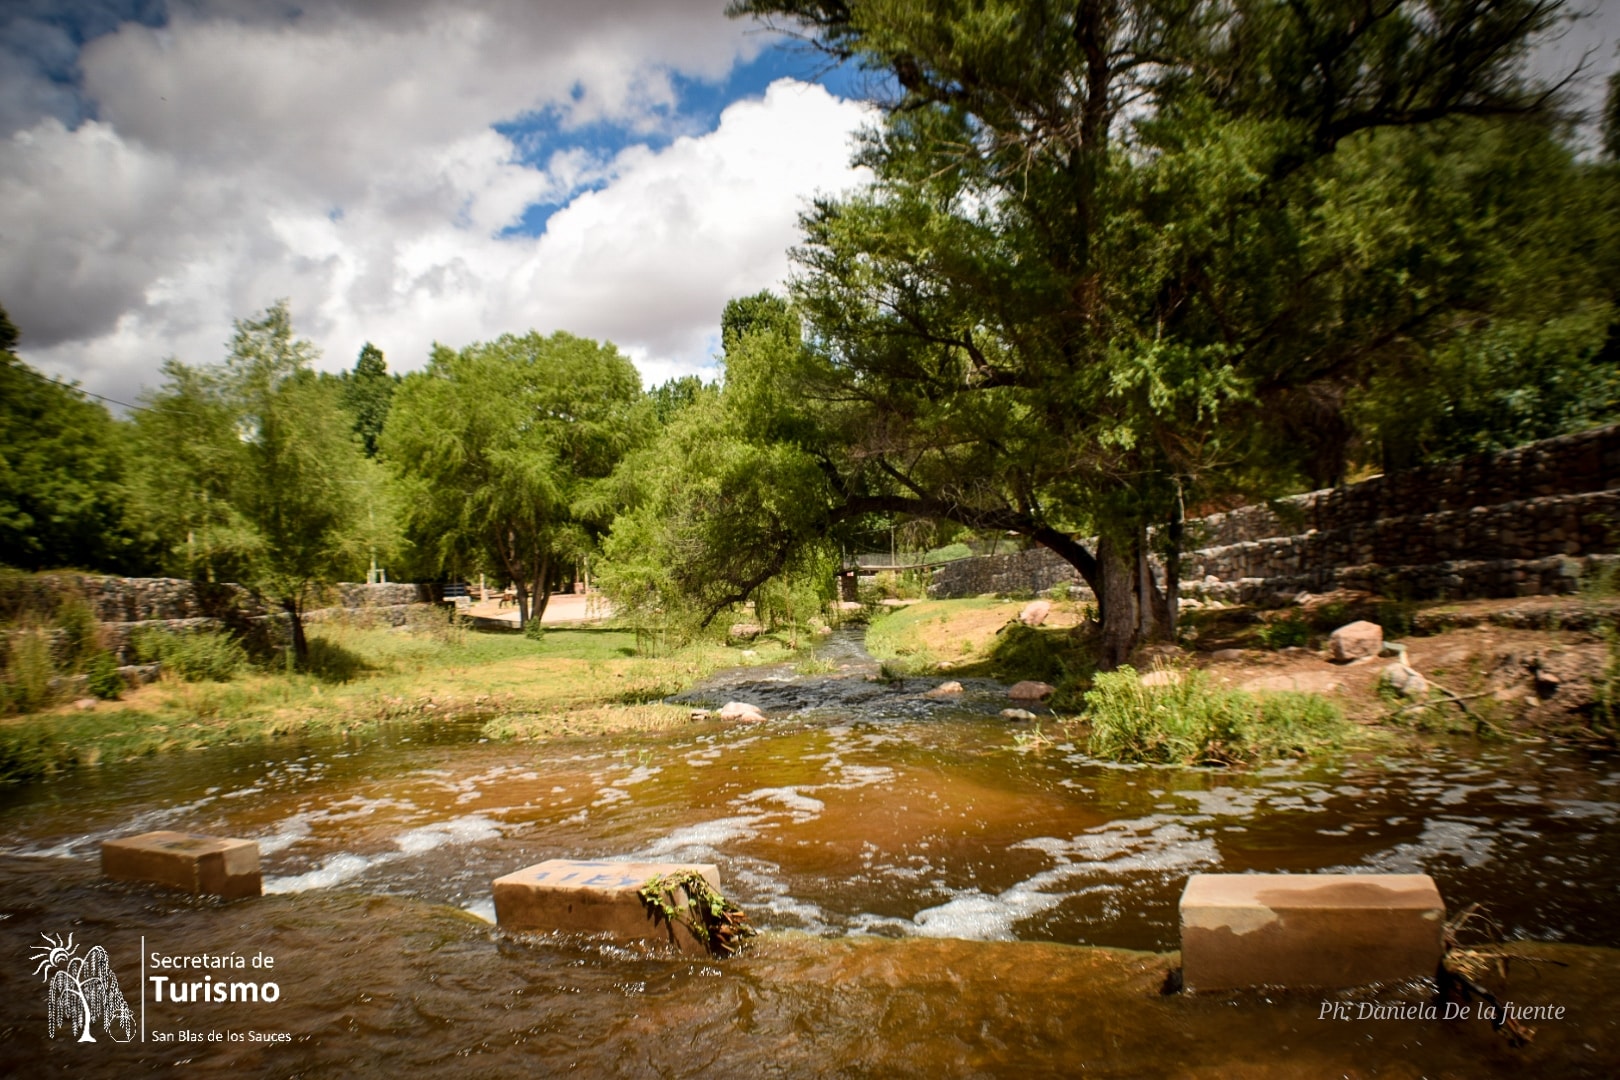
(1540, 666)
(575, 681)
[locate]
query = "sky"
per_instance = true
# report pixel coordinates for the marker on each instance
(412, 171)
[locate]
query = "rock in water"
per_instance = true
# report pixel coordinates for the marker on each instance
(947, 689)
(1031, 691)
(1357, 640)
(741, 710)
(1017, 714)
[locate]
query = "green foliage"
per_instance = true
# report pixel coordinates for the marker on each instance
(250, 471)
(1117, 258)
(197, 656)
(29, 670)
(102, 677)
(79, 632)
(504, 451)
(368, 394)
(61, 472)
(1290, 631)
(686, 897)
(948, 553)
(1193, 723)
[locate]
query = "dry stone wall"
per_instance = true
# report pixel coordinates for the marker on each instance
(125, 606)
(1534, 520)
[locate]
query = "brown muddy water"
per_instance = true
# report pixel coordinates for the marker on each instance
(935, 899)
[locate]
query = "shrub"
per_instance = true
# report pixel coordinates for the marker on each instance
(102, 676)
(1286, 632)
(1191, 722)
(203, 655)
(79, 632)
(29, 671)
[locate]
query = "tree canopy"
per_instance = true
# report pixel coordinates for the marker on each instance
(61, 472)
(503, 449)
(251, 470)
(1119, 257)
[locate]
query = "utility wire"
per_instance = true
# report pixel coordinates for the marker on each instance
(21, 366)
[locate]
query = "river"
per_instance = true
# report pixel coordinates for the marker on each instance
(921, 870)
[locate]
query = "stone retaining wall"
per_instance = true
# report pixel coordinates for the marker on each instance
(1530, 521)
(126, 606)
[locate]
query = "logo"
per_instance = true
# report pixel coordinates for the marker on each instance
(83, 990)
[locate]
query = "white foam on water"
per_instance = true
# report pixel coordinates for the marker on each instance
(334, 871)
(701, 841)
(804, 808)
(976, 916)
(609, 795)
(289, 832)
(472, 829)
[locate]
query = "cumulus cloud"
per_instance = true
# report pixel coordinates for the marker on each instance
(346, 159)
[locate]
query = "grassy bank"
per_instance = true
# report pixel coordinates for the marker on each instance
(571, 681)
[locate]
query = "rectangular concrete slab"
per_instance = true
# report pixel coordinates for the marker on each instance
(211, 865)
(594, 898)
(1309, 930)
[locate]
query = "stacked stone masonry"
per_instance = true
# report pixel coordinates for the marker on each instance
(125, 606)
(1535, 520)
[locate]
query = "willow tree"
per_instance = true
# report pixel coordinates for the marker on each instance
(248, 470)
(1119, 255)
(503, 449)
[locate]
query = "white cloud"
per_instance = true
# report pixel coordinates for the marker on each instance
(347, 161)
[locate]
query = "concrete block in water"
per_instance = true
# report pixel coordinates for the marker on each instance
(213, 865)
(1309, 930)
(594, 898)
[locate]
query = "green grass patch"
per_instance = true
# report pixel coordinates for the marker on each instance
(361, 677)
(1193, 723)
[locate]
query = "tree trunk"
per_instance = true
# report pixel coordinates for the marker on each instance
(1116, 601)
(542, 593)
(1172, 565)
(299, 641)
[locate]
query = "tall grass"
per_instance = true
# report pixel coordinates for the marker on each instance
(200, 656)
(1193, 723)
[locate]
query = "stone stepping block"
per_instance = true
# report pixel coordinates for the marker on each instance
(595, 898)
(210, 865)
(1309, 930)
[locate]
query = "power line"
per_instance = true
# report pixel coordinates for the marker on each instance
(21, 366)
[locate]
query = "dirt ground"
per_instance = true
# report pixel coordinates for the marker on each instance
(1515, 664)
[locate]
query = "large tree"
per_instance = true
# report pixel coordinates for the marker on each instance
(61, 473)
(252, 471)
(1119, 256)
(504, 448)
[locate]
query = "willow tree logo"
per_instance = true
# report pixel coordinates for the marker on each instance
(83, 990)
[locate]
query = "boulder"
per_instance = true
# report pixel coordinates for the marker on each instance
(1031, 691)
(1017, 714)
(1035, 612)
(741, 710)
(947, 689)
(1226, 654)
(1404, 680)
(1357, 641)
(744, 631)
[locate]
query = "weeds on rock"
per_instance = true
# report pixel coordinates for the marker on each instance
(688, 898)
